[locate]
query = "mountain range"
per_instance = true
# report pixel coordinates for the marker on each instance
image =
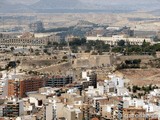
(80, 6)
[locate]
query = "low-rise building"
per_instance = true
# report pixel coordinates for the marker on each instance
(116, 38)
(89, 77)
(133, 113)
(26, 42)
(13, 108)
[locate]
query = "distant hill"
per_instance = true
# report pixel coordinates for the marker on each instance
(136, 5)
(81, 6)
(76, 6)
(156, 12)
(57, 4)
(6, 6)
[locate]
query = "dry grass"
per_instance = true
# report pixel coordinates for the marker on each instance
(142, 77)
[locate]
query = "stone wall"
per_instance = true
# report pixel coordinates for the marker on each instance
(93, 60)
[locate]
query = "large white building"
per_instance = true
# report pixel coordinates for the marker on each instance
(23, 42)
(28, 40)
(115, 38)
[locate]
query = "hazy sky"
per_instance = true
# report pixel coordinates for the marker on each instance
(23, 1)
(93, 1)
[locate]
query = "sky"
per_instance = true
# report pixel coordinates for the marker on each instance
(104, 1)
(23, 1)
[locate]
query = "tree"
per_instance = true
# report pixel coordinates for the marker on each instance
(45, 50)
(31, 50)
(55, 57)
(49, 43)
(74, 49)
(117, 49)
(12, 48)
(129, 88)
(150, 87)
(37, 53)
(136, 61)
(145, 44)
(64, 57)
(121, 43)
(18, 61)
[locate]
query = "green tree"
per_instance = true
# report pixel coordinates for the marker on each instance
(145, 44)
(37, 53)
(121, 43)
(12, 48)
(45, 51)
(64, 57)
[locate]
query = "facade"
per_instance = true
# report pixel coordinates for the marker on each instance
(13, 88)
(28, 39)
(19, 88)
(13, 108)
(112, 30)
(58, 81)
(54, 38)
(51, 112)
(90, 79)
(86, 84)
(7, 35)
(23, 42)
(134, 113)
(93, 79)
(54, 110)
(72, 113)
(4, 85)
(115, 38)
(31, 84)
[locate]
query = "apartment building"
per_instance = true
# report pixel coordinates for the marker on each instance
(90, 79)
(19, 88)
(13, 108)
(58, 81)
(133, 113)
